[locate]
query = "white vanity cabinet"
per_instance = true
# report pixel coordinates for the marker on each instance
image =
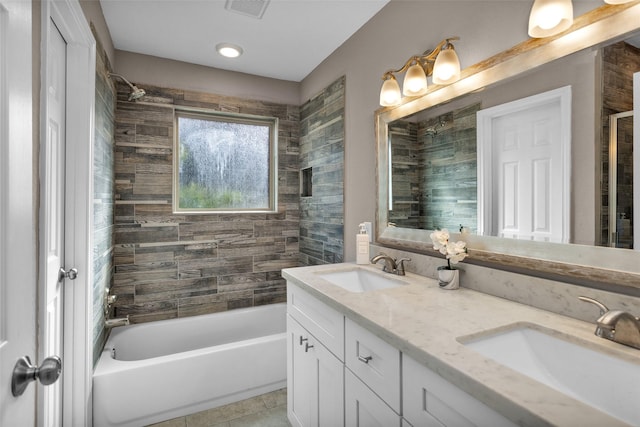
(431, 401)
(315, 369)
(341, 374)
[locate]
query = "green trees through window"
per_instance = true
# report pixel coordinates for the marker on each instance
(224, 162)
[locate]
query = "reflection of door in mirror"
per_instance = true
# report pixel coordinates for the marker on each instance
(524, 168)
(621, 171)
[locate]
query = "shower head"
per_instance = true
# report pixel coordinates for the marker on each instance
(432, 131)
(136, 92)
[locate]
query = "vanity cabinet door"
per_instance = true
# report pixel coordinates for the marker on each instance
(363, 408)
(315, 378)
(430, 400)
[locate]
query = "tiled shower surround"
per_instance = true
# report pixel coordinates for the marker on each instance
(322, 152)
(170, 265)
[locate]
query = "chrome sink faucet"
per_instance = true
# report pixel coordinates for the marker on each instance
(391, 265)
(616, 325)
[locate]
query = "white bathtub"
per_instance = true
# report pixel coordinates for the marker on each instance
(172, 368)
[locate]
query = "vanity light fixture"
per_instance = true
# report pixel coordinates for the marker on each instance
(551, 17)
(442, 63)
(229, 50)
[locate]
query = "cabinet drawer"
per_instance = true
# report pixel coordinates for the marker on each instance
(363, 408)
(322, 321)
(374, 361)
(428, 397)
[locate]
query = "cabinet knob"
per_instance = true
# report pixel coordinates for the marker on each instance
(303, 339)
(307, 347)
(365, 359)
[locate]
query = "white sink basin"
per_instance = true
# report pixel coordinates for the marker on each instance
(361, 280)
(605, 382)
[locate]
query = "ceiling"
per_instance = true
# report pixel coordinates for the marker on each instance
(290, 39)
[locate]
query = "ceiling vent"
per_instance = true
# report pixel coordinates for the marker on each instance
(252, 8)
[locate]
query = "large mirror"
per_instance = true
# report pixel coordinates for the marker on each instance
(433, 170)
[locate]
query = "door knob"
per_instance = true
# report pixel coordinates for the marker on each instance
(24, 372)
(63, 274)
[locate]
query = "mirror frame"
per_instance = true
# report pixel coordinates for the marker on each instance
(618, 268)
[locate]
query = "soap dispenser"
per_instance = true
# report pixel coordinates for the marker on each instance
(362, 245)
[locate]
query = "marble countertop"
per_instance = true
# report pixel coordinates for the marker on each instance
(426, 323)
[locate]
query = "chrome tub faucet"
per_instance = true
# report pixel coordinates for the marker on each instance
(112, 323)
(109, 309)
(616, 325)
(391, 265)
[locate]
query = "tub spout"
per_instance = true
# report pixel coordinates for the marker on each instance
(112, 323)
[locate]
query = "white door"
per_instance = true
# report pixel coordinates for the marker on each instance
(68, 91)
(52, 218)
(17, 211)
(526, 167)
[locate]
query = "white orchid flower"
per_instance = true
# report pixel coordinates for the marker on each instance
(456, 252)
(440, 238)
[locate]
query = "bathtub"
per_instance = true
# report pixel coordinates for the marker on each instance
(156, 371)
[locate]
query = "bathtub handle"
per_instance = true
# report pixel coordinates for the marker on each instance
(307, 347)
(303, 339)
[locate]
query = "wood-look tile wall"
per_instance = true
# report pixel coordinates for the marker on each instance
(619, 62)
(103, 195)
(168, 265)
(322, 150)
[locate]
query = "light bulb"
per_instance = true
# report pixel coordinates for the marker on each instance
(446, 69)
(390, 93)
(550, 17)
(415, 81)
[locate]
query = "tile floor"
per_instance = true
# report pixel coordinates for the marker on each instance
(267, 410)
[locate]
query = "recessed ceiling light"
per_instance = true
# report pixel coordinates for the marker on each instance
(229, 50)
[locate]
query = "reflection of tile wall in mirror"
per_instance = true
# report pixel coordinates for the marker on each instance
(434, 172)
(619, 62)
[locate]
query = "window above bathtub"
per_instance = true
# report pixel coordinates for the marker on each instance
(224, 162)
